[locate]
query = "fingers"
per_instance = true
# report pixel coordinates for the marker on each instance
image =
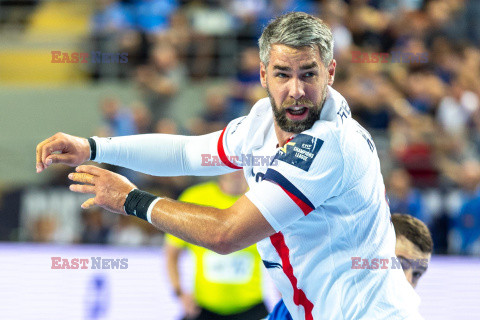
(82, 177)
(39, 163)
(82, 188)
(95, 171)
(49, 148)
(60, 158)
(88, 204)
(46, 149)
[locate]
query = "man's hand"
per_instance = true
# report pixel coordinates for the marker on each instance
(192, 310)
(73, 151)
(110, 189)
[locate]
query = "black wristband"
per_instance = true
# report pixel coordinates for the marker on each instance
(93, 148)
(137, 203)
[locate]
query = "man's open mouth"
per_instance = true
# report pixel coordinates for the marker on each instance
(297, 111)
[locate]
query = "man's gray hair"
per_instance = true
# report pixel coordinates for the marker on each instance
(297, 29)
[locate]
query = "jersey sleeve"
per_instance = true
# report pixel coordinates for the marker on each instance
(231, 140)
(306, 171)
(234, 139)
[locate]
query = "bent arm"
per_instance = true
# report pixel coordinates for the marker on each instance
(220, 230)
(163, 154)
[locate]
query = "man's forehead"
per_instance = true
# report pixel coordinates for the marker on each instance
(306, 55)
(409, 250)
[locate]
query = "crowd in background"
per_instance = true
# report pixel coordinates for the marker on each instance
(423, 113)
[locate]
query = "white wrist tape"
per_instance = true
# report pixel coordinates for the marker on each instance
(150, 209)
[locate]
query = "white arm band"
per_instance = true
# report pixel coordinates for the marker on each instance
(161, 154)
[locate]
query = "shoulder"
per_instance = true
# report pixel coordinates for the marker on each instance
(243, 133)
(257, 115)
(260, 113)
(261, 107)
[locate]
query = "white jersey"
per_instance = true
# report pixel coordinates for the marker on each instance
(324, 195)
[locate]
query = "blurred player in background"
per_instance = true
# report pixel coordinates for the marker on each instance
(414, 242)
(226, 287)
(316, 197)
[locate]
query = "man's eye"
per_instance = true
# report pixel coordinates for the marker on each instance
(309, 74)
(281, 75)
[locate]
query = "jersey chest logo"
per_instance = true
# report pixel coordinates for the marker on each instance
(300, 152)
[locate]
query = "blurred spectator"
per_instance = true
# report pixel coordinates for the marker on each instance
(167, 126)
(413, 148)
(214, 116)
(151, 16)
(397, 5)
(334, 13)
(464, 236)
(118, 121)
(141, 117)
(179, 35)
(363, 90)
(470, 69)
(154, 237)
(127, 232)
(367, 25)
(456, 109)
(94, 228)
(414, 140)
(472, 12)
(278, 7)
(212, 26)
(423, 91)
(247, 14)
(210, 18)
(403, 198)
(109, 18)
(43, 228)
(468, 226)
(108, 24)
(246, 81)
(161, 81)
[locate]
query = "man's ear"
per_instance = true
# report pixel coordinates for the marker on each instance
(263, 75)
(331, 71)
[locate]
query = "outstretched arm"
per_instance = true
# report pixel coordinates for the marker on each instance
(221, 230)
(155, 154)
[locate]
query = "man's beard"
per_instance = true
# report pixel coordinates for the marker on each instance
(293, 126)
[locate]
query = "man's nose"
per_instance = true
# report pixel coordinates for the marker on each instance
(297, 89)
